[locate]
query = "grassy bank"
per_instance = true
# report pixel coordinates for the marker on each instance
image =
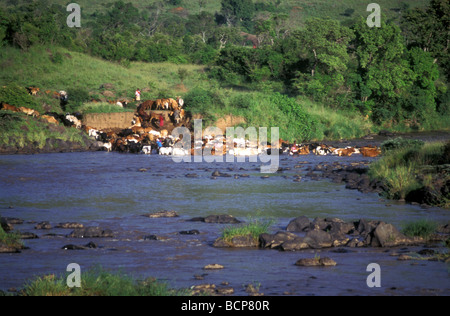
(98, 282)
(18, 131)
(418, 173)
(87, 78)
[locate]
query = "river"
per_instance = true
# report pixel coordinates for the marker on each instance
(114, 190)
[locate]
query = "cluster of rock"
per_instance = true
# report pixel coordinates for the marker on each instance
(334, 232)
(78, 231)
(354, 175)
(301, 233)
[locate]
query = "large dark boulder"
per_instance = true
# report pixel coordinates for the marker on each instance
(222, 219)
(275, 240)
(217, 219)
(295, 244)
(317, 239)
(299, 224)
(386, 235)
(424, 195)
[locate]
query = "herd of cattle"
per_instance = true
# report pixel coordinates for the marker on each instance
(146, 134)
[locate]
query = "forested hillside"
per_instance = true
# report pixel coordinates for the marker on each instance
(300, 57)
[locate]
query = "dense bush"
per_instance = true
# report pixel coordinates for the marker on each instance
(400, 143)
(77, 96)
(19, 96)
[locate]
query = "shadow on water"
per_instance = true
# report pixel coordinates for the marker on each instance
(114, 190)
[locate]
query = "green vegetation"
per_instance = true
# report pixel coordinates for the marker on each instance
(102, 108)
(313, 69)
(98, 282)
(20, 131)
(401, 143)
(421, 228)
(417, 173)
(10, 239)
(254, 228)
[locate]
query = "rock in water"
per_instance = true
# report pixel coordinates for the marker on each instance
(315, 262)
(91, 232)
(299, 224)
(162, 214)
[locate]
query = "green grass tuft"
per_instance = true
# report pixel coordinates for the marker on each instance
(254, 228)
(421, 228)
(99, 282)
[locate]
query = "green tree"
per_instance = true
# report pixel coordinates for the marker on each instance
(323, 44)
(384, 71)
(238, 12)
(202, 24)
(429, 29)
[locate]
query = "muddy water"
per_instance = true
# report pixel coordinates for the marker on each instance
(112, 191)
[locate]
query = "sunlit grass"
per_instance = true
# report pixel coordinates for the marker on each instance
(99, 282)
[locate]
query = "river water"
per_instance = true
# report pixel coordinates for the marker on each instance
(112, 191)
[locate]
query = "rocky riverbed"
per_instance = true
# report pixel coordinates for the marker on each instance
(93, 209)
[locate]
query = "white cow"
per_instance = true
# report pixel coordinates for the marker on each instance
(147, 150)
(166, 151)
(72, 119)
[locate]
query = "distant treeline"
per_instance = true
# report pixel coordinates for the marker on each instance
(397, 73)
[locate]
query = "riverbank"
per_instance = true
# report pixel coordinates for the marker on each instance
(22, 134)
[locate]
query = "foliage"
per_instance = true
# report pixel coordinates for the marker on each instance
(403, 169)
(87, 108)
(77, 96)
(427, 28)
(400, 143)
(19, 131)
(421, 228)
(99, 282)
(238, 12)
(18, 96)
(395, 76)
(10, 239)
(255, 227)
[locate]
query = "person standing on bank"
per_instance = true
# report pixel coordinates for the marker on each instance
(138, 95)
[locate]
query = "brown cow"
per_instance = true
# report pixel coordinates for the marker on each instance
(29, 112)
(304, 150)
(50, 119)
(33, 90)
(370, 151)
(147, 105)
(9, 107)
(162, 104)
(344, 152)
(173, 105)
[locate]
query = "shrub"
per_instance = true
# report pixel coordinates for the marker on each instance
(254, 228)
(400, 143)
(18, 96)
(422, 228)
(77, 96)
(98, 282)
(300, 125)
(10, 239)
